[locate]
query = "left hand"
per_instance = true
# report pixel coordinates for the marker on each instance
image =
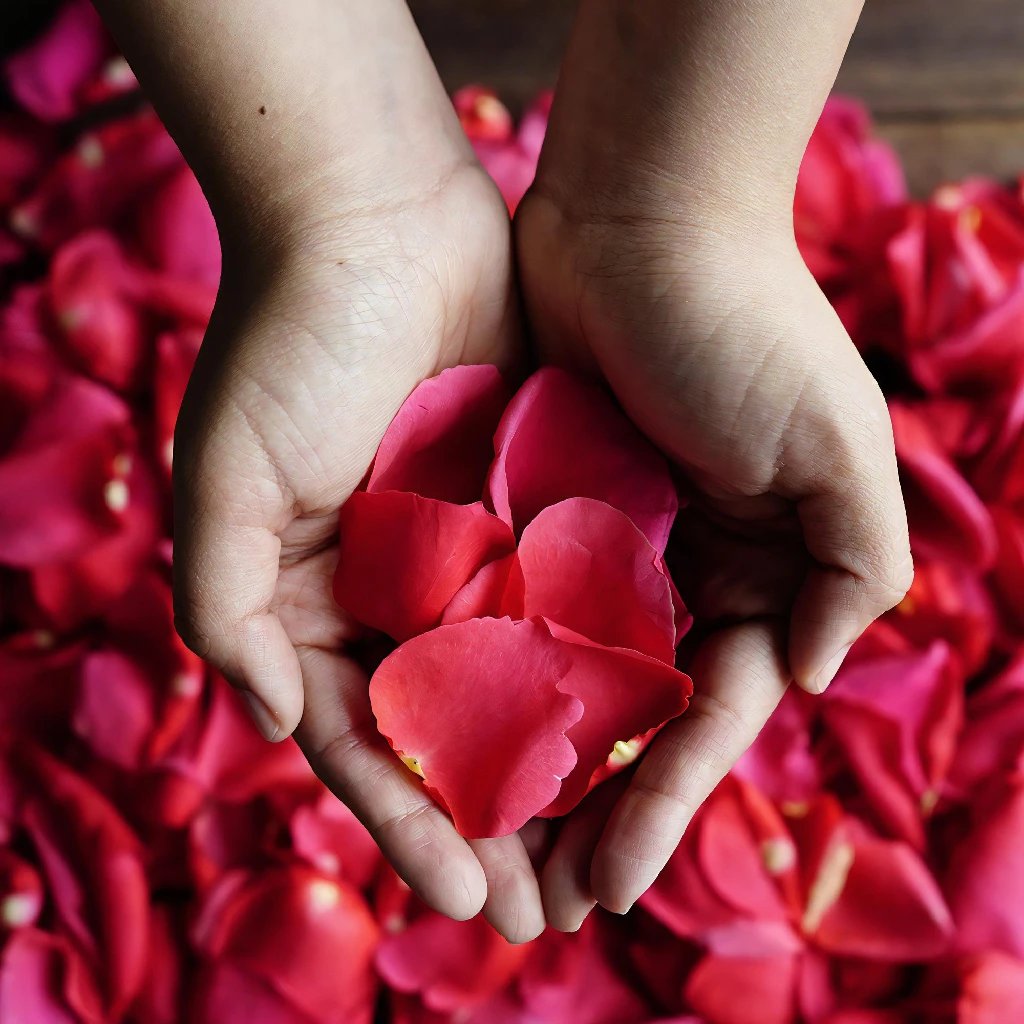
(726, 353)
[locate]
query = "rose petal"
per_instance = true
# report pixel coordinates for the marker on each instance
(496, 590)
(439, 445)
(402, 558)
(992, 990)
(477, 705)
(984, 880)
(45, 979)
(897, 720)
(177, 232)
(588, 568)
(723, 989)
(309, 937)
(452, 965)
(47, 76)
(889, 907)
(948, 521)
(53, 496)
(563, 438)
(624, 694)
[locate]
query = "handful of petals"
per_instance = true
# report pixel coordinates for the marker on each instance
(525, 585)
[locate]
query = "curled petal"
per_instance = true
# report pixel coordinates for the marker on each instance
(563, 438)
(588, 568)
(402, 558)
(439, 445)
(496, 590)
(625, 696)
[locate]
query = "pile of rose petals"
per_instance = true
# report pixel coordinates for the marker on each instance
(160, 863)
(537, 627)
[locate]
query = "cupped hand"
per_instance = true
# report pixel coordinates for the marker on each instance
(720, 346)
(322, 328)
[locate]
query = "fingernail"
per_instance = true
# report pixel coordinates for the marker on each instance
(627, 907)
(261, 715)
(832, 666)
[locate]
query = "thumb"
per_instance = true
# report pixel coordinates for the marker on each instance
(226, 552)
(855, 527)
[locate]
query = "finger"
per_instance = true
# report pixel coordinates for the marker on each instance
(225, 572)
(565, 879)
(340, 739)
(856, 530)
(513, 905)
(739, 677)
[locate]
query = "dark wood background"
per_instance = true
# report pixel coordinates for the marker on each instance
(944, 78)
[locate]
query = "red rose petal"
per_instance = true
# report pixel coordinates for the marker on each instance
(53, 502)
(496, 590)
(309, 937)
(725, 989)
(439, 445)
(452, 965)
(984, 878)
(477, 705)
(177, 232)
(588, 568)
(563, 438)
(889, 907)
(102, 327)
(624, 694)
(402, 558)
(948, 521)
(45, 979)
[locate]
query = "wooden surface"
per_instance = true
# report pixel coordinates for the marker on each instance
(944, 78)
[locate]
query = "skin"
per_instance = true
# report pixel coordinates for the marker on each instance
(365, 250)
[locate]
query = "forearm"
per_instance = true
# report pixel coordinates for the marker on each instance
(275, 104)
(706, 101)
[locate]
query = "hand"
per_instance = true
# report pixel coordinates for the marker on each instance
(317, 338)
(723, 350)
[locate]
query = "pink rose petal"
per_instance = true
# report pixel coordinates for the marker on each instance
(439, 445)
(563, 438)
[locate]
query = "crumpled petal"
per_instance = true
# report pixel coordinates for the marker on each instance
(402, 558)
(588, 568)
(724, 989)
(625, 694)
(897, 720)
(439, 444)
(562, 438)
(476, 707)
